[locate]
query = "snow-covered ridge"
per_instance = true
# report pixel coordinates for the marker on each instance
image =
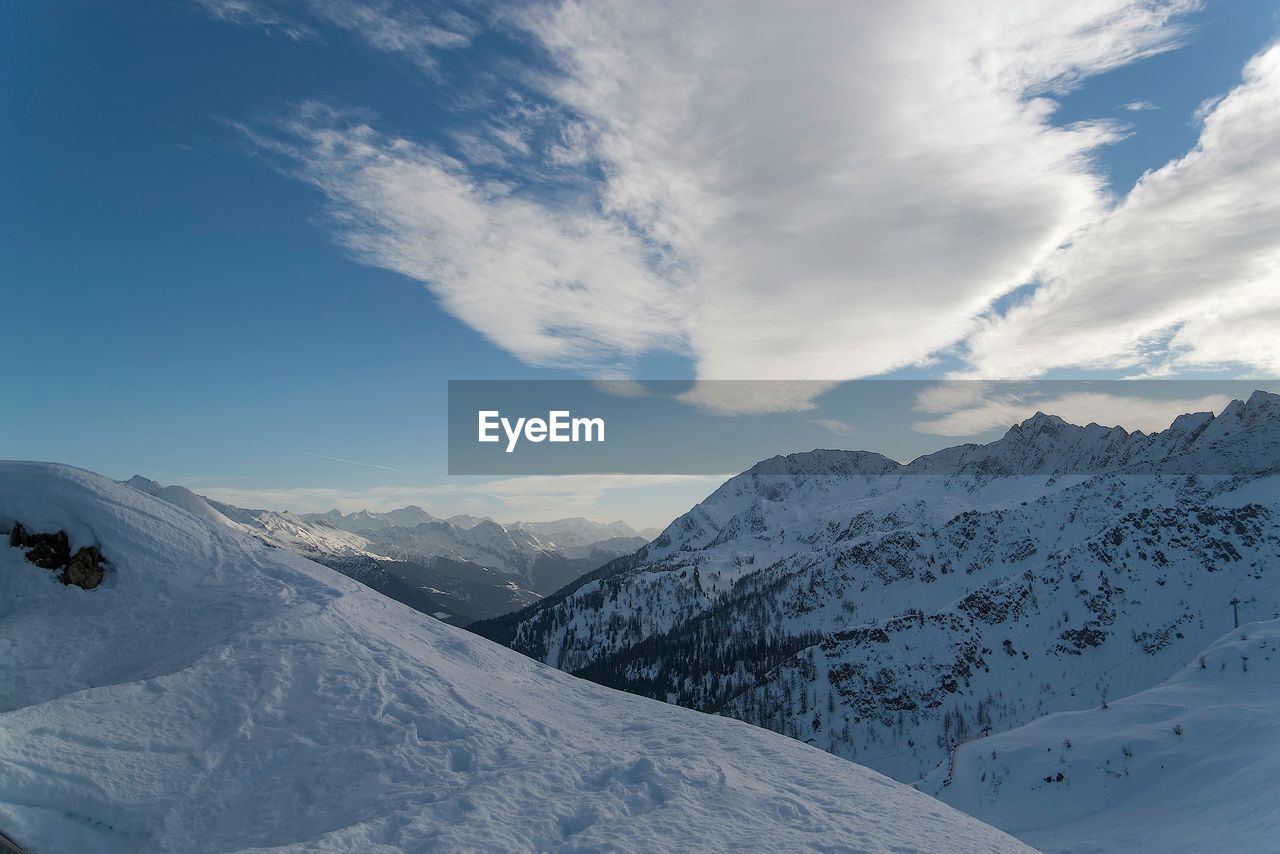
(1199, 442)
(217, 694)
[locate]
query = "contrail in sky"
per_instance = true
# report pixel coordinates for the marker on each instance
(352, 462)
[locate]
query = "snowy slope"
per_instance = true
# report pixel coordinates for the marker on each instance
(1187, 766)
(884, 612)
(218, 694)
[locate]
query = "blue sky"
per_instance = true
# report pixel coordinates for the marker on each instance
(208, 281)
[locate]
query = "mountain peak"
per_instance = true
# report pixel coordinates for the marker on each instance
(143, 484)
(1190, 421)
(1260, 397)
(1261, 404)
(1049, 444)
(1043, 420)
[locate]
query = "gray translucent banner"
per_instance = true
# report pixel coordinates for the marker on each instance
(552, 427)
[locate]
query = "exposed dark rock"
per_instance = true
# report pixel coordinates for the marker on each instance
(47, 551)
(84, 570)
(53, 551)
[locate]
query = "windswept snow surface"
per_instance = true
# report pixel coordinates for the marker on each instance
(1187, 766)
(218, 694)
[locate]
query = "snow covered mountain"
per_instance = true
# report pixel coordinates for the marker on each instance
(885, 612)
(538, 565)
(455, 591)
(365, 520)
(544, 556)
(284, 530)
(578, 532)
(459, 573)
(214, 693)
(560, 533)
(1187, 766)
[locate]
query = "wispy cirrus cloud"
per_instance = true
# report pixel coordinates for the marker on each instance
(835, 426)
(849, 205)
(393, 26)
(822, 196)
(1184, 274)
(556, 285)
(264, 14)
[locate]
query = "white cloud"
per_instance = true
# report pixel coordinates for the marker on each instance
(257, 13)
(554, 285)
(850, 186)
(397, 27)
(816, 196)
(622, 387)
(1000, 410)
(387, 25)
(835, 426)
(751, 397)
(1183, 274)
(953, 395)
(1139, 106)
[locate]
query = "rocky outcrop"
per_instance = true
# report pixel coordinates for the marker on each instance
(52, 551)
(84, 570)
(47, 551)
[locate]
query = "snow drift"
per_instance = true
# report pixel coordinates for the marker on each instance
(215, 694)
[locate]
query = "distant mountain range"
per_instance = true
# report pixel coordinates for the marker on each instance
(561, 533)
(459, 569)
(887, 612)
